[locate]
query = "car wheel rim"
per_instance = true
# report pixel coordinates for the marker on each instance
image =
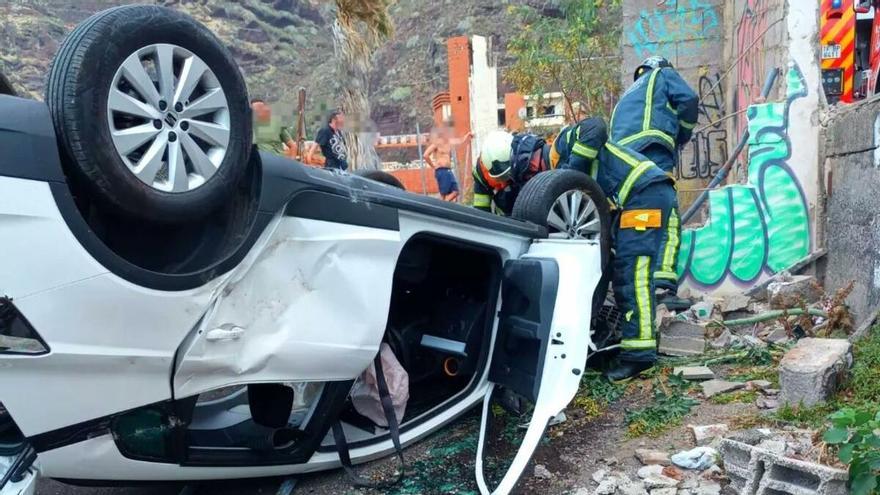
(574, 215)
(168, 118)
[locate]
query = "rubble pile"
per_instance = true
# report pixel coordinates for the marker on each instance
(722, 462)
(655, 479)
(785, 309)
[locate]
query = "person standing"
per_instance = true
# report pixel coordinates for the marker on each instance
(332, 143)
(645, 199)
(438, 156)
(269, 133)
(655, 117)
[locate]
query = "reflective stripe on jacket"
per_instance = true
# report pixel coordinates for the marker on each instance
(659, 108)
(619, 171)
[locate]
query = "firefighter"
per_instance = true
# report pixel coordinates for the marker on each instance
(507, 161)
(645, 202)
(654, 117)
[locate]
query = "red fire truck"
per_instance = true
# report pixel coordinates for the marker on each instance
(850, 49)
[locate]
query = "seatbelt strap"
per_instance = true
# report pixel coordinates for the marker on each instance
(393, 430)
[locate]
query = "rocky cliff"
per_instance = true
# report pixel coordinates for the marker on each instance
(283, 44)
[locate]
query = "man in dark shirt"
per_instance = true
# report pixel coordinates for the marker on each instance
(332, 143)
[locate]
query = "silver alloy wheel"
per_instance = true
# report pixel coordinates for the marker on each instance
(168, 117)
(574, 216)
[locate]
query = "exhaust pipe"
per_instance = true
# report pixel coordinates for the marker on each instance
(451, 367)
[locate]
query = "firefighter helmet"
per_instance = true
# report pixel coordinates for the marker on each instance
(495, 157)
(650, 63)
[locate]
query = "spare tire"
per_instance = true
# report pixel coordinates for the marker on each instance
(381, 177)
(151, 113)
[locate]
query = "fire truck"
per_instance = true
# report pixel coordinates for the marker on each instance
(850, 49)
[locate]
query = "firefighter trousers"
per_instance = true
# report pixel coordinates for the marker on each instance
(640, 232)
(666, 260)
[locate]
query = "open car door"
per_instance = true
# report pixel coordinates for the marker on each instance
(543, 339)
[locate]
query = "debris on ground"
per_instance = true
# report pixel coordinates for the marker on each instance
(749, 467)
(706, 434)
(703, 311)
(648, 457)
(715, 387)
(542, 472)
(699, 458)
(758, 385)
(734, 302)
(682, 338)
(803, 287)
(694, 372)
(812, 371)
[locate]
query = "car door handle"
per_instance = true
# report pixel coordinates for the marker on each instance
(225, 333)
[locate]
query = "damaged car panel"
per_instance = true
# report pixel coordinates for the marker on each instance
(223, 340)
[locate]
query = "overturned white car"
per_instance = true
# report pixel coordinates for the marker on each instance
(174, 306)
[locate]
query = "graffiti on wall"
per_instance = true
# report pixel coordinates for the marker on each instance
(690, 21)
(761, 227)
(707, 151)
(751, 69)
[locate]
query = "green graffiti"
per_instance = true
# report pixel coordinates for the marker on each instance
(762, 226)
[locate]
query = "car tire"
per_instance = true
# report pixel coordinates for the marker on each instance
(382, 177)
(546, 194)
(151, 113)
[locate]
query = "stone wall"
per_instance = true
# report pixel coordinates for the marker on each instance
(853, 227)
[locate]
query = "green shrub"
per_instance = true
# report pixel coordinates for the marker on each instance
(855, 433)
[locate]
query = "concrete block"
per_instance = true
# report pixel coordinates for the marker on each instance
(681, 338)
(811, 372)
(705, 434)
(734, 302)
(755, 471)
(694, 372)
(799, 286)
(703, 310)
(715, 387)
(650, 470)
(649, 457)
(776, 336)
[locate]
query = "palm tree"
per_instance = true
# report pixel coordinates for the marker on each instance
(360, 27)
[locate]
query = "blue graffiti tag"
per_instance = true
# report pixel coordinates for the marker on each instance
(685, 24)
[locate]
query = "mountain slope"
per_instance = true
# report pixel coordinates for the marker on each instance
(281, 45)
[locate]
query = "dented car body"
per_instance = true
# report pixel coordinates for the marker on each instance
(133, 353)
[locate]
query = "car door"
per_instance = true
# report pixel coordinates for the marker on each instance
(542, 340)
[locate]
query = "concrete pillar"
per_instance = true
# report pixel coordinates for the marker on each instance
(514, 103)
(459, 60)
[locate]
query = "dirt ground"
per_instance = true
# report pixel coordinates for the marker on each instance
(443, 463)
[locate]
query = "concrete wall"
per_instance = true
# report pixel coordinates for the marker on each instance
(689, 33)
(853, 227)
(765, 221)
